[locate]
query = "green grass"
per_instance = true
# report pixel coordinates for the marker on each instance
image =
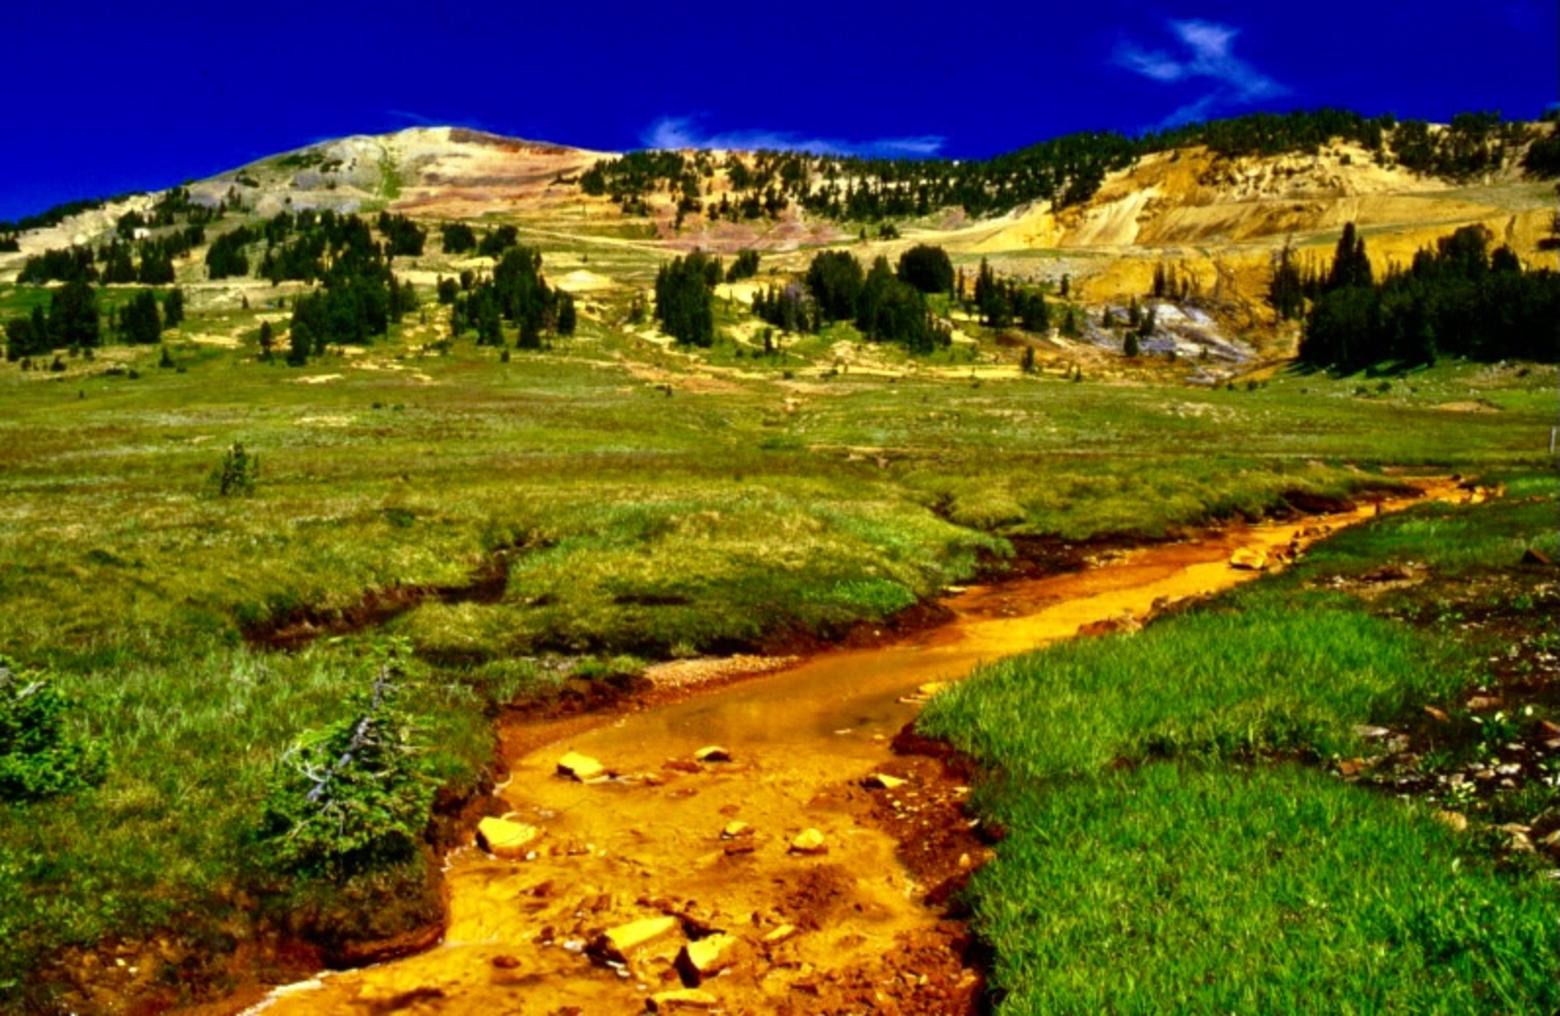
(1173, 888)
(744, 505)
(1250, 677)
(1149, 867)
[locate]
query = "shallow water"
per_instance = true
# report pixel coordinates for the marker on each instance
(649, 841)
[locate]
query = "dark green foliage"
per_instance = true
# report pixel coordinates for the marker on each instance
(567, 317)
(173, 308)
(267, 340)
(403, 237)
(1543, 156)
(927, 268)
(789, 308)
(140, 324)
(744, 267)
(682, 298)
(457, 238)
(835, 279)
(1457, 299)
(891, 310)
(498, 241)
(27, 336)
(447, 290)
(225, 257)
(73, 315)
(354, 795)
(235, 475)
(1351, 266)
(1131, 345)
(68, 265)
(39, 756)
(1286, 291)
(1001, 302)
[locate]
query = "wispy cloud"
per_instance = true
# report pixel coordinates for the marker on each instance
(684, 132)
(1205, 52)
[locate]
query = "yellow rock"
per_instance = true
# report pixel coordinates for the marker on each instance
(682, 998)
(1249, 559)
(581, 767)
(809, 841)
(712, 753)
(503, 838)
(883, 781)
(704, 957)
(736, 829)
(617, 943)
(932, 687)
(781, 933)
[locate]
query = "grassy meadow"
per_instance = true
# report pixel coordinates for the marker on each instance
(651, 504)
(1174, 808)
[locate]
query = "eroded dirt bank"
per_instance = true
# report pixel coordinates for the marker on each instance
(799, 883)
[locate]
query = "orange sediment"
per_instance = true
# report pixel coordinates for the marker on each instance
(758, 848)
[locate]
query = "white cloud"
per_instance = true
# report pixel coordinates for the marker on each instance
(684, 132)
(1207, 53)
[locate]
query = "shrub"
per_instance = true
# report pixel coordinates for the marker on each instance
(236, 474)
(356, 794)
(38, 756)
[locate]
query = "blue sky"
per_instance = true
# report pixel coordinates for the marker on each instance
(109, 97)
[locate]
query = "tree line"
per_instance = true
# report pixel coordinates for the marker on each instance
(1062, 171)
(1459, 298)
(73, 320)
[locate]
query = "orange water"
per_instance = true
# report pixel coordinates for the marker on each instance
(626, 849)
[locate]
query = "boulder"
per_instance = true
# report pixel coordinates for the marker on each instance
(504, 838)
(707, 956)
(580, 767)
(712, 753)
(1249, 559)
(809, 841)
(780, 934)
(617, 943)
(736, 829)
(882, 781)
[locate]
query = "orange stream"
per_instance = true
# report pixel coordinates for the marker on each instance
(612, 852)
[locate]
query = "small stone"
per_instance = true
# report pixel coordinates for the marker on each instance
(505, 962)
(1549, 727)
(1480, 703)
(883, 781)
(1438, 715)
(682, 998)
(503, 838)
(580, 767)
(712, 753)
(617, 943)
(698, 960)
(1249, 559)
(1454, 820)
(809, 841)
(736, 829)
(785, 931)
